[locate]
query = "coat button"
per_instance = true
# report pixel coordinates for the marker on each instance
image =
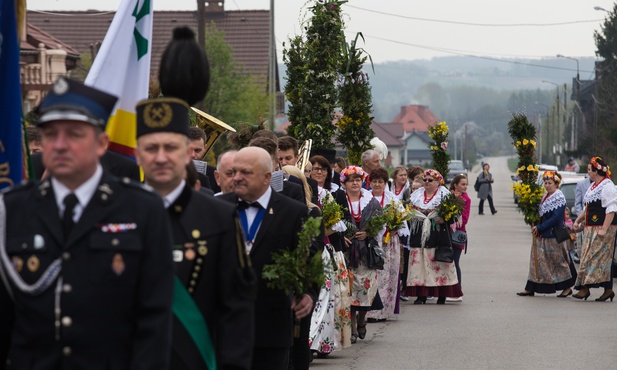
(67, 321)
(67, 288)
(115, 242)
(67, 351)
(66, 256)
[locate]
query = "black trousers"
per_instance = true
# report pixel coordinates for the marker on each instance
(267, 358)
(490, 204)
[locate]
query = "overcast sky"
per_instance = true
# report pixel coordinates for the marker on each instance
(391, 33)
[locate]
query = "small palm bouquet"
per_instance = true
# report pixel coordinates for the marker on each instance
(395, 216)
(331, 211)
(295, 270)
(451, 207)
(375, 224)
(351, 231)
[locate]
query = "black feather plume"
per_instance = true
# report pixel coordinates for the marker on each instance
(184, 71)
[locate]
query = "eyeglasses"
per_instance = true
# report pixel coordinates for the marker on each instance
(428, 180)
(319, 169)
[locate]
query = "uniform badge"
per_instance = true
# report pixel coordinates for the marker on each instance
(178, 255)
(117, 264)
(33, 263)
(39, 242)
(18, 263)
(157, 115)
(195, 234)
(202, 250)
(271, 211)
(61, 87)
(189, 254)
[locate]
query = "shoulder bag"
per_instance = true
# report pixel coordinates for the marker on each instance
(562, 233)
(444, 254)
(375, 257)
(459, 238)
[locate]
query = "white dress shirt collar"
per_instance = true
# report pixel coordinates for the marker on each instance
(83, 192)
(170, 198)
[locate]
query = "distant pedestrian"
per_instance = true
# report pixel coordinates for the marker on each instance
(572, 166)
(485, 191)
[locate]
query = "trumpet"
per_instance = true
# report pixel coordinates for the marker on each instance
(303, 154)
(212, 126)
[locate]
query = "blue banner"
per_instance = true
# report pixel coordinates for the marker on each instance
(11, 132)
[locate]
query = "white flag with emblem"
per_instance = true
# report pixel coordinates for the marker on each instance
(122, 68)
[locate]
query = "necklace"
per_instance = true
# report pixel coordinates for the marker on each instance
(427, 201)
(382, 198)
(546, 197)
(397, 192)
(594, 185)
(356, 216)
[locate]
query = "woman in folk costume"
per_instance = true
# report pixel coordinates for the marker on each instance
(599, 225)
(428, 277)
(550, 265)
(331, 320)
(359, 206)
(389, 241)
(400, 186)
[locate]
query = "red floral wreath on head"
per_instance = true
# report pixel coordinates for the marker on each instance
(352, 170)
(434, 174)
(594, 162)
(551, 175)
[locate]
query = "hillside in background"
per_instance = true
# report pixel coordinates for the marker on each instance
(478, 93)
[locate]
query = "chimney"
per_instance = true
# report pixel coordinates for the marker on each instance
(215, 6)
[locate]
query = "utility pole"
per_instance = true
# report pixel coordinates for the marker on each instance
(201, 20)
(272, 68)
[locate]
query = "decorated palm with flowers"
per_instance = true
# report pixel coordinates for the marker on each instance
(396, 215)
(375, 224)
(331, 211)
(451, 207)
(529, 193)
(439, 147)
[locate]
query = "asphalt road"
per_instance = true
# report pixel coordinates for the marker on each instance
(492, 328)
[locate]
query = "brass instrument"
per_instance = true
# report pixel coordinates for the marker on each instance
(304, 154)
(212, 126)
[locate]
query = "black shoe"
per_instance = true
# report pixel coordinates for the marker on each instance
(525, 294)
(607, 295)
(420, 300)
(493, 212)
(362, 331)
(441, 300)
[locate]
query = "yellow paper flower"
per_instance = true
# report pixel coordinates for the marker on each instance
(530, 167)
(518, 143)
(533, 143)
(525, 142)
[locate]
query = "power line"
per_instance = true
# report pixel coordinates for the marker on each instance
(466, 54)
(84, 13)
(474, 24)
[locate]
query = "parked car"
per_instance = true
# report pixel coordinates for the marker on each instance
(455, 168)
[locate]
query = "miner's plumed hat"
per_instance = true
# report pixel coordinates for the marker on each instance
(184, 72)
(162, 115)
(69, 100)
(329, 154)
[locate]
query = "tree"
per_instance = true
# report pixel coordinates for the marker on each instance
(606, 109)
(312, 67)
(354, 127)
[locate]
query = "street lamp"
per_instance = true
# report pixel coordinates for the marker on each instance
(600, 9)
(578, 81)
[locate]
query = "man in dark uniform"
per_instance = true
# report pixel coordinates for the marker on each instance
(87, 278)
(212, 268)
(271, 222)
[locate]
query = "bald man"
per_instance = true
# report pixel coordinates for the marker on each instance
(271, 223)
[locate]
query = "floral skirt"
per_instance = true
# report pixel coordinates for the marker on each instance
(427, 277)
(596, 259)
(550, 267)
(388, 279)
(331, 320)
(364, 287)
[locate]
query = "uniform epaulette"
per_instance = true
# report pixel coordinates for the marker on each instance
(136, 185)
(25, 185)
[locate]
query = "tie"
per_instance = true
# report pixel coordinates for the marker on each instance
(70, 201)
(243, 205)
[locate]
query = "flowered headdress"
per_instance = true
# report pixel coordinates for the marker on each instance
(551, 175)
(434, 174)
(352, 170)
(594, 162)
